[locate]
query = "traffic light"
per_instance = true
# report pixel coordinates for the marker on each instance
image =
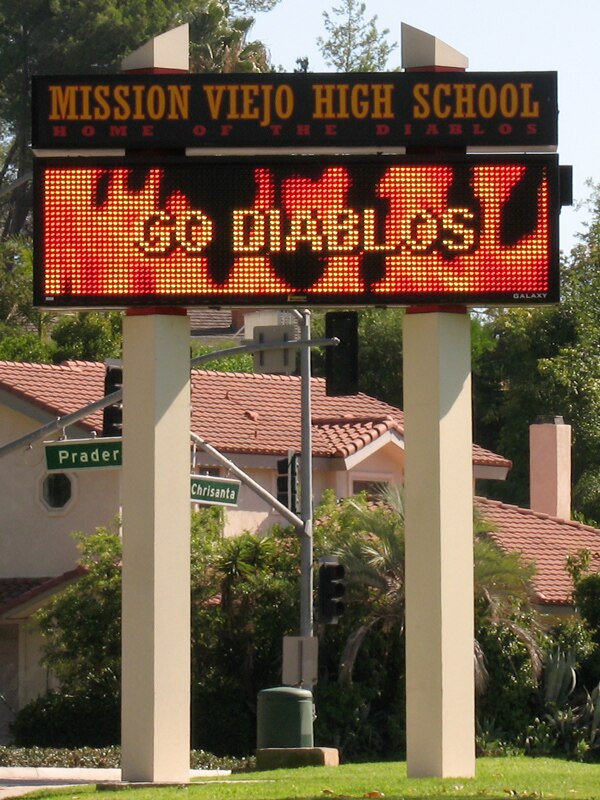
(341, 362)
(112, 416)
(287, 481)
(331, 592)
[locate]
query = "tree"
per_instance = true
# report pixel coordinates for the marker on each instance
(16, 281)
(81, 626)
(546, 361)
(509, 653)
(242, 362)
(19, 345)
(219, 42)
(369, 640)
(353, 44)
(379, 352)
(87, 336)
(375, 559)
(244, 599)
(70, 37)
(63, 36)
(21, 336)
(243, 7)
(244, 604)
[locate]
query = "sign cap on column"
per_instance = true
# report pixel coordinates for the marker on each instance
(168, 51)
(421, 50)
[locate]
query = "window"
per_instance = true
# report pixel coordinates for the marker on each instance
(374, 489)
(212, 472)
(57, 490)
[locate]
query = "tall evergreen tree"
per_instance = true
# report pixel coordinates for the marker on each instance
(38, 37)
(353, 43)
(219, 41)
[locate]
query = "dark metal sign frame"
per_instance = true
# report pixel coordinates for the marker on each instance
(382, 111)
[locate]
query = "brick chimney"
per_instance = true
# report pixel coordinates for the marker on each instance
(550, 467)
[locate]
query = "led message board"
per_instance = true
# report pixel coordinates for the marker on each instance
(329, 231)
(371, 110)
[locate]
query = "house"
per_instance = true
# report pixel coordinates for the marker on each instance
(253, 419)
(220, 324)
(544, 541)
(544, 534)
(21, 676)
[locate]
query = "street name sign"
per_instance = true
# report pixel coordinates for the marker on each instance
(83, 454)
(108, 452)
(214, 491)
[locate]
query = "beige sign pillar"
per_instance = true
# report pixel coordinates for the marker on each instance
(440, 690)
(439, 545)
(155, 713)
(155, 706)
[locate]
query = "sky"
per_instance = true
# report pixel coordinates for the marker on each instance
(515, 35)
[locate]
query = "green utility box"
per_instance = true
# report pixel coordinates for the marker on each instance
(284, 718)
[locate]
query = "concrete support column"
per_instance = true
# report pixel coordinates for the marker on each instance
(439, 545)
(156, 548)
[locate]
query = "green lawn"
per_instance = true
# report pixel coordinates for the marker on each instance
(496, 778)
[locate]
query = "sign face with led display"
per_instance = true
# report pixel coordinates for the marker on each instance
(371, 110)
(325, 231)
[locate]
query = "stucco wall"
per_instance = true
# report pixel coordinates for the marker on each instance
(386, 464)
(36, 541)
(9, 687)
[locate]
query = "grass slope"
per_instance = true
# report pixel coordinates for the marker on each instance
(496, 778)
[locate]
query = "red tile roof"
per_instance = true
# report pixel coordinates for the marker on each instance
(261, 414)
(16, 591)
(255, 413)
(543, 541)
(11, 588)
(235, 412)
(59, 390)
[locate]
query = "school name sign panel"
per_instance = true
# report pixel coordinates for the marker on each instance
(370, 110)
(334, 231)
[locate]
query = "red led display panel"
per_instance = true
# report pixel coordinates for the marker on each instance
(313, 231)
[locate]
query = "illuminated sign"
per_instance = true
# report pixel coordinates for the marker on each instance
(371, 110)
(319, 231)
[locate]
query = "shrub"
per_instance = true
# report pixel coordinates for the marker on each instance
(69, 720)
(587, 600)
(509, 702)
(105, 757)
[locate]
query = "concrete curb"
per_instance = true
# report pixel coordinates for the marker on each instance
(17, 781)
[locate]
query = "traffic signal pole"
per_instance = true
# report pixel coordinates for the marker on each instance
(306, 487)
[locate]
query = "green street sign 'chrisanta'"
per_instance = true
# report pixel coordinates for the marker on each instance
(214, 491)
